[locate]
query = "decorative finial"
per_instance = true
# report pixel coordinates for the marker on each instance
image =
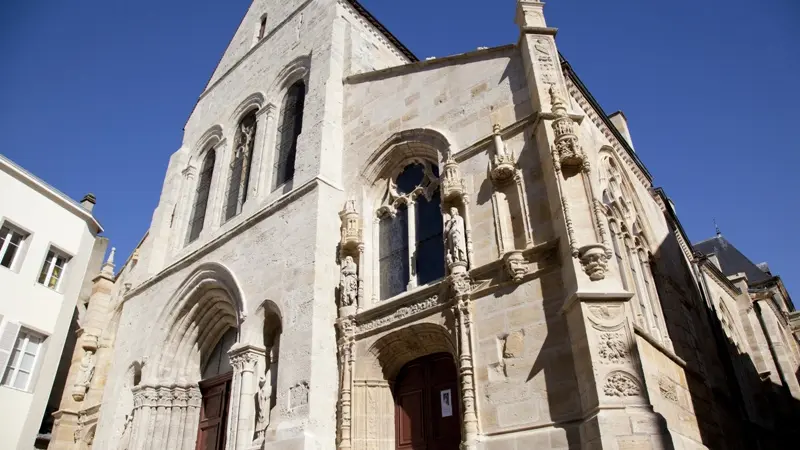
(719, 233)
(108, 267)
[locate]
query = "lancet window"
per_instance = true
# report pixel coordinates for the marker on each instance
(630, 249)
(410, 243)
(241, 163)
(291, 126)
(201, 196)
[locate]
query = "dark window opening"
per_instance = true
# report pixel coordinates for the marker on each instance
(289, 130)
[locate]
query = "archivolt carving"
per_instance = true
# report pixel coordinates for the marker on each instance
(401, 346)
(401, 313)
(621, 384)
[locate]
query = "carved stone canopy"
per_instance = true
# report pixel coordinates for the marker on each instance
(352, 234)
(503, 167)
(452, 182)
(568, 151)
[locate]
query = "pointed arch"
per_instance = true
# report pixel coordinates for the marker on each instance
(420, 143)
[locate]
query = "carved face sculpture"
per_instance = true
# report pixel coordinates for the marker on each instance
(454, 212)
(348, 260)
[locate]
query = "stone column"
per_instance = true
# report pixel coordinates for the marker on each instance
(266, 149)
(346, 362)
(192, 419)
(184, 209)
(615, 407)
(244, 359)
(412, 243)
(144, 419)
(461, 288)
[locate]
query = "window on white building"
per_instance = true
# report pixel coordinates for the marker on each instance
(12, 240)
(53, 269)
(26, 350)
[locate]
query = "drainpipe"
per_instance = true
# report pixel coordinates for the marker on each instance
(724, 356)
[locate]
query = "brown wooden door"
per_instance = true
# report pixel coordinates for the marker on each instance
(216, 393)
(427, 410)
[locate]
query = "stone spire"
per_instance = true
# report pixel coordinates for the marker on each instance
(108, 267)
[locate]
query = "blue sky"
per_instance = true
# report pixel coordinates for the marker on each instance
(94, 95)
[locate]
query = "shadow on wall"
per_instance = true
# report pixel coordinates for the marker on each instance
(735, 408)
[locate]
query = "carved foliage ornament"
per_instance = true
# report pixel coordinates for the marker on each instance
(400, 314)
(613, 348)
(668, 389)
(621, 384)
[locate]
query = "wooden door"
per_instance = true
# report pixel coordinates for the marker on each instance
(427, 410)
(216, 393)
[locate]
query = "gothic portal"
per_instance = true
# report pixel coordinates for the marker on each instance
(355, 249)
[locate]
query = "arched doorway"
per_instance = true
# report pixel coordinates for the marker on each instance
(427, 410)
(215, 393)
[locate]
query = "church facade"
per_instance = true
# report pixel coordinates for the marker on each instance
(355, 249)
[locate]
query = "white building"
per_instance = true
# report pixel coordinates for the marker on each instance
(48, 242)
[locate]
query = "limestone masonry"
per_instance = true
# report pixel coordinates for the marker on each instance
(355, 249)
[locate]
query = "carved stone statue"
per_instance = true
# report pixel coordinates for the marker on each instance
(87, 370)
(262, 403)
(349, 281)
(244, 139)
(455, 243)
(125, 438)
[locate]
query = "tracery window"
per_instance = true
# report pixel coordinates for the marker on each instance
(201, 196)
(239, 177)
(410, 243)
(288, 132)
(630, 249)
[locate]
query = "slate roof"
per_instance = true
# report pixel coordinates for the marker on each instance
(731, 260)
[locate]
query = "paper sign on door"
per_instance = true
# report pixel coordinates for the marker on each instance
(447, 402)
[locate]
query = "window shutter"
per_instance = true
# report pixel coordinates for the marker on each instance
(38, 366)
(7, 340)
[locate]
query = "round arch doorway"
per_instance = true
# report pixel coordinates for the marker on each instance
(427, 410)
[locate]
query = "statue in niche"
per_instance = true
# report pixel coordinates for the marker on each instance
(349, 281)
(244, 139)
(262, 405)
(455, 243)
(87, 370)
(125, 438)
